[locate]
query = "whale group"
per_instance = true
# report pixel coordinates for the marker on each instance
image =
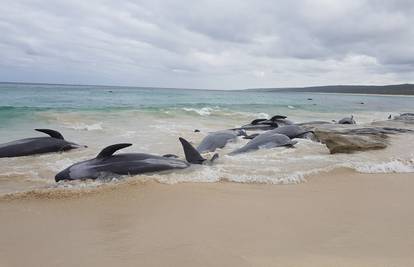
(277, 131)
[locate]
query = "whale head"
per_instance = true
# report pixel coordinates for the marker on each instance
(63, 175)
(79, 171)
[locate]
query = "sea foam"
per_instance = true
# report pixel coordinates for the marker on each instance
(394, 166)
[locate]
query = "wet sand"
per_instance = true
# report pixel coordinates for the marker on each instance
(339, 218)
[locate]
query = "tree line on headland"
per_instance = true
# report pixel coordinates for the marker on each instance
(397, 89)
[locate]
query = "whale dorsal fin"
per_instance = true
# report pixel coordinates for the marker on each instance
(278, 117)
(52, 133)
(191, 154)
(109, 150)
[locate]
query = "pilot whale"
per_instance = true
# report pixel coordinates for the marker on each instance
(266, 124)
(106, 164)
(348, 120)
(291, 131)
(37, 145)
(218, 139)
(267, 139)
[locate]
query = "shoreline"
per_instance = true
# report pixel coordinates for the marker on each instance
(338, 218)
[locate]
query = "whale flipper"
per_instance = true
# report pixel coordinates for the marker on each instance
(170, 156)
(191, 154)
(52, 133)
(109, 150)
(215, 156)
(250, 136)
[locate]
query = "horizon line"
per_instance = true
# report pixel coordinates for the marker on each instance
(187, 88)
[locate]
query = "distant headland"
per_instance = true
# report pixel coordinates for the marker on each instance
(393, 89)
(396, 89)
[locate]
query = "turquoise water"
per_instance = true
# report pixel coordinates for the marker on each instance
(152, 119)
(18, 99)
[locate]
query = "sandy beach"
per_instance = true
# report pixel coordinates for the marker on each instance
(207, 133)
(340, 218)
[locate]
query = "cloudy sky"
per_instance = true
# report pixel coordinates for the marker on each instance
(220, 44)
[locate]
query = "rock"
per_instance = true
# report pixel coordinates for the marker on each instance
(352, 140)
(340, 138)
(405, 117)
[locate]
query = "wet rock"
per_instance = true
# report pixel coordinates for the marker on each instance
(405, 117)
(351, 141)
(350, 138)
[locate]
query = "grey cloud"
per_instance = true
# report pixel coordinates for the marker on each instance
(207, 43)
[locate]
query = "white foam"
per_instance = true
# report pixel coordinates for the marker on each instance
(263, 115)
(394, 166)
(84, 127)
(205, 111)
(128, 134)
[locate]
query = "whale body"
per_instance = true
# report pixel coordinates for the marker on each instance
(218, 140)
(267, 139)
(37, 145)
(106, 164)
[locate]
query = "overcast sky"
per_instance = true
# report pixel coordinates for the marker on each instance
(220, 44)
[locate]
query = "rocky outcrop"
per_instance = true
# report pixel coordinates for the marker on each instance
(405, 118)
(352, 139)
(340, 142)
(348, 138)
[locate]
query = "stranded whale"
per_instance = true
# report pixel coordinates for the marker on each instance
(266, 124)
(106, 164)
(37, 145)
(267, 139)
(291, 131)
(348, 120)
(218, 140)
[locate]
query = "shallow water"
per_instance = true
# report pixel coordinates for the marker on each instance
(153, 119)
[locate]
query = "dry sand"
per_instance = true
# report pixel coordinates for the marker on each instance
(335, 219)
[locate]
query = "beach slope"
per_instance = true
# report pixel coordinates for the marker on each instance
(339, 218)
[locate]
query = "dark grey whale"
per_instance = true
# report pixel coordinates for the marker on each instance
(348, 120)
(108, 165)
(218, 139)
(267, 139)
(266, 124)
(291, 131)
(37, 145)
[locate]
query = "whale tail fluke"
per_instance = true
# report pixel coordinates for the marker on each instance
(191, 154)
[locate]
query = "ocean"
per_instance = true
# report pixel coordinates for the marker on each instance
(152, 119)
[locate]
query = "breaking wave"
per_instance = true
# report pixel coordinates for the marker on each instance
(84, 126)
(394, 166)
